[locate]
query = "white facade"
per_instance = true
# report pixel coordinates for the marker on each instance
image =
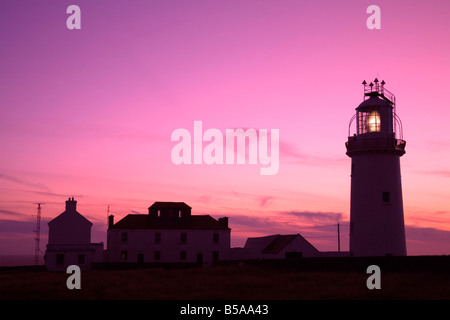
(59, 257)
(376, 206)
(172, 246)
(168, 234)
(69, 241)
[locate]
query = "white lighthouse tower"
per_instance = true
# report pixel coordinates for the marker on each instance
(376, 206)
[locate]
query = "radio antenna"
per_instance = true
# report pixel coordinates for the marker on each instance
(37, 238)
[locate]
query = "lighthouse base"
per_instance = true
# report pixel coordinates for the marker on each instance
(376, 208)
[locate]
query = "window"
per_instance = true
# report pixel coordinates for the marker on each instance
(183, 237)
(81, 259)
(124, 238)
(157, 255)
(386, 196)
(215, 238)
(158, 237)
(60, 259)
(124, 255)
(183, 255)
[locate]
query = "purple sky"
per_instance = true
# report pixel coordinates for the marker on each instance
(89, 113)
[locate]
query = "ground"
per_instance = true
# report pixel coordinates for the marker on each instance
(248, 282)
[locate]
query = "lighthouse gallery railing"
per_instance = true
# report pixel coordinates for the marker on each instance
(355, 145)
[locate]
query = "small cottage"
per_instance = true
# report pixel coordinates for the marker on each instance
(280, 246)
(69, 241)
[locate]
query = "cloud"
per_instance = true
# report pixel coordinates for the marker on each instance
(434, 219)
(52, 194)
(427, 241)
(255, 223)
(290, 152)
(24, 182)
(15, 226)
(265, 200)
(439, 173)
(316, 217)
(11, 213)
(17, 237)
(33, 187)
(205, 198)
(282, 222)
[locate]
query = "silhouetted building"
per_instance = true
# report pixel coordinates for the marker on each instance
(168, 234)
(69, 241)
(376, 208)
(279, 247)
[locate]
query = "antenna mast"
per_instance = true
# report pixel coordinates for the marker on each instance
(37, 238)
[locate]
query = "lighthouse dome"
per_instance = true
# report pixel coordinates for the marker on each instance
(373, 101)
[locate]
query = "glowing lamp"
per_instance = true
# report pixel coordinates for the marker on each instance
(373, 122)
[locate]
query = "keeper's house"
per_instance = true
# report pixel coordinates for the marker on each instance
(69, 241)
(168, 234)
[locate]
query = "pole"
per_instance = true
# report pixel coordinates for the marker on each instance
(38, 235)
(107, 218)
(339, 239)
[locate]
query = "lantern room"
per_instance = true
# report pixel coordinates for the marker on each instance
(375, 116)
(375, 125)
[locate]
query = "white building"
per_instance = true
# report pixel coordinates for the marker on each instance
(168, 234)
(376, 207)
(69, 241)
(279, 247)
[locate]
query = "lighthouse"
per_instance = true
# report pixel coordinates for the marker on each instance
(375, 144)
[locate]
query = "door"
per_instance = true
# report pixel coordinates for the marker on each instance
(200, 258)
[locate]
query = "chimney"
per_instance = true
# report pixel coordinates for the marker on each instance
(110, 221)
(71, 205)
(224, 221)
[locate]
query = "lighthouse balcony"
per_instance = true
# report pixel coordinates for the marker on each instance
(357, 145)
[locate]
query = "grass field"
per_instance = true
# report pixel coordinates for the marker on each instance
(221, 282)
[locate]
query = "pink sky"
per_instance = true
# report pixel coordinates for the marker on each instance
(89, 113)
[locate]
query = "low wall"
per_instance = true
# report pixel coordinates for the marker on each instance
(355, 264)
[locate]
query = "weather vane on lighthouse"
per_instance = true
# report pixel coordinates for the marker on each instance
(376, 205)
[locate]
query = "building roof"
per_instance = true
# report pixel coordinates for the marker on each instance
(374, 101)
(162, 205)
(274, 244)
(69, 217)
(195, 222)
(279, 243)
